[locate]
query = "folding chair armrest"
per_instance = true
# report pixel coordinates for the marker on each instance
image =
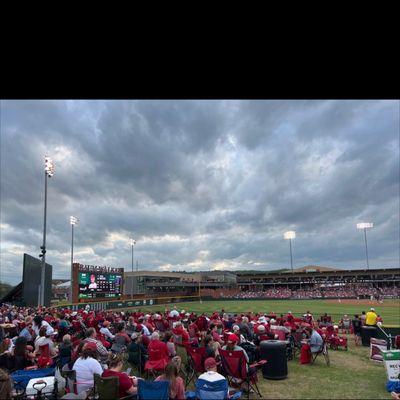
(258, 363)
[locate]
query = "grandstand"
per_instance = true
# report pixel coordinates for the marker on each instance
(305, 282)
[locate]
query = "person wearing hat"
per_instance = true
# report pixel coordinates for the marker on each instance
(136, 351)
(211, 374)
(85, 366)
(105, 331)
(232, 345)
(370, 319)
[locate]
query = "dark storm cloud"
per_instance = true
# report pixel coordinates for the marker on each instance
(201, 184)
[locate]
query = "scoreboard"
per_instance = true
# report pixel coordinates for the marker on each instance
(99, 282)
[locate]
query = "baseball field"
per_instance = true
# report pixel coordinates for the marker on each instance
(351, 374)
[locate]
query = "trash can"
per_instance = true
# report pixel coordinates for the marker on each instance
(367, 332)
(274, 351)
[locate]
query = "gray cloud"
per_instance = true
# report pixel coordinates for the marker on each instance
(200, 184)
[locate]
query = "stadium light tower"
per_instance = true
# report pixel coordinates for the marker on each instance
(289, 235)
(365, 226)
(73, 221)
(48, 173)
(133, 242)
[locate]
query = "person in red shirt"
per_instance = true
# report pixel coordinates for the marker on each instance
(179, 330)
(127, 384)
(156, 345)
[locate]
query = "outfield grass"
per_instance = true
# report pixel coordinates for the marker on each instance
(351, 375)
(389, 309)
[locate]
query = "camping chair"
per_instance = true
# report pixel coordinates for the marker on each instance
(155, 363)
(153, 390)
(217, 390)
(195, 364)
(70, 380)
(107, 388)
(324, 352)
(44, 359)
(234, 364)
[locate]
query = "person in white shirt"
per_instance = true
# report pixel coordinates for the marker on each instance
(105, 331)
(42, 340)
(85, 366)
(39, 322)
(211, 374)
(174, 313)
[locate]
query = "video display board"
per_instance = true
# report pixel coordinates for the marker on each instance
(99, 282)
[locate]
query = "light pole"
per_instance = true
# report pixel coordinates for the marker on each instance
(48, 173)
(73, 221)
(365, 226)
(289, 235)
(133, 242)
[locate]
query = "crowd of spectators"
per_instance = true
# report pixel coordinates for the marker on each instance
(100, 342)
(345, 291)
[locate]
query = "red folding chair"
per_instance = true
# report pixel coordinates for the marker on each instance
(195, 365)
(155, 363)
(234, 364)
(160, 325)
(44, 359)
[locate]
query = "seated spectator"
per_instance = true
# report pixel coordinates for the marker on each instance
(43, 340)
(102, 352)
(20, 357)
(316, 340)
(85, 366)
(121, 339)
(157, 345)
(39, 322)
(136, 351)
(169, 340)
(211, 374)
(213, 331)
(209, 344)
(5, 385)
(232, 345)
(127, 384)
(176, 385)
(27, 332)
(179, 330)
(65, 350)
(106, 331)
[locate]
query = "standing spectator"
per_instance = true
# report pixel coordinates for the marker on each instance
(370, 319)
(356, 322)
(363, 317)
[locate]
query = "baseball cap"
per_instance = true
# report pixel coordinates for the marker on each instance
(210, 363)
(261, 328)
(90, 346)
(372, 309)
(233, 338)
(134, 335)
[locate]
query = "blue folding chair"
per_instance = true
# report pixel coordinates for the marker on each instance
(217, 390)
(157, 390)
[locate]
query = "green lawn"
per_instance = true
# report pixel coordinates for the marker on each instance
(351, 375)
(389, 310)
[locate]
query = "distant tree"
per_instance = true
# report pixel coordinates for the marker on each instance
(5, 288)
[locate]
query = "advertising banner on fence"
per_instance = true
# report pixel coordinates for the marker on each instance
(392, 364)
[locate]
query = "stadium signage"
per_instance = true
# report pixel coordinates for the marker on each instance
(392, 364)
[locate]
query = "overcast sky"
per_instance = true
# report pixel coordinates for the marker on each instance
(200, 184)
